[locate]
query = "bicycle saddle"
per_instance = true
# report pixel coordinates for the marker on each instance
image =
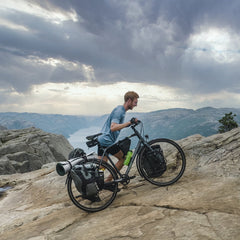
(91, 137)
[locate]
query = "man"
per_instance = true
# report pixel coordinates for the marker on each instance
(112, 127)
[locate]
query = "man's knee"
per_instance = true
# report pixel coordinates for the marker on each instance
(120, 156)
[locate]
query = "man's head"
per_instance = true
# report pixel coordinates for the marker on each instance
(131, 100)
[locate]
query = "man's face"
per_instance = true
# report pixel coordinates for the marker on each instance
(132, 103)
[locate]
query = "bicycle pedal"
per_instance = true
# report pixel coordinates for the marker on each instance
(132, 177)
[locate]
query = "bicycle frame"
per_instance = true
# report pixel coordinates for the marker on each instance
(141, 142)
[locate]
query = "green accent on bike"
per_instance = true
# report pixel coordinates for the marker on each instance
(128, 157)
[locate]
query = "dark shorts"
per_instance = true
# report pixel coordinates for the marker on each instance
(112, 150)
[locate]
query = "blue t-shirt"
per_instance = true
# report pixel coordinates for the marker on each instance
(108, 137)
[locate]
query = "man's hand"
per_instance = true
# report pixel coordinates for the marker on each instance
(133, 120)
(118, 127)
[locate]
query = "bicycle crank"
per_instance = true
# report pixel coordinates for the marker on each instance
(126, 179)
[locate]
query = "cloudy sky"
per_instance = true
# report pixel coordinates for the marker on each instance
(81, 56)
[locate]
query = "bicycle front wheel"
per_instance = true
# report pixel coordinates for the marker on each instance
(105, 197)
(174, 159)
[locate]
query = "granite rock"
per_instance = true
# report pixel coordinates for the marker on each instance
(203, 204)
(28, 149)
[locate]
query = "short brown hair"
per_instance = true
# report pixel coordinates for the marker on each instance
(130, 95)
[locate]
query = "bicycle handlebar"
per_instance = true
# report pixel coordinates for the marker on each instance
(134, 122)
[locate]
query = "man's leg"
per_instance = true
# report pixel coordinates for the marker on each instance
(120, 157)
(119, 164)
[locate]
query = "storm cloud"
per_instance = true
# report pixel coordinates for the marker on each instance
(189, 45)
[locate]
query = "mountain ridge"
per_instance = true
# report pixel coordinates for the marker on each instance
(175, 123)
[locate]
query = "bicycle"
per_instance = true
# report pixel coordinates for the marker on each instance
(172, 168)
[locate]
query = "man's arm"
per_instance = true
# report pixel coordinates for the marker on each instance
(118, 126)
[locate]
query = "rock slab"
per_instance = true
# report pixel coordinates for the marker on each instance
(28, 149)
(203, 204)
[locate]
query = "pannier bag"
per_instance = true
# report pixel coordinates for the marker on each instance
(124, 145)
(153, 162)
(77, 152)
(87, 179)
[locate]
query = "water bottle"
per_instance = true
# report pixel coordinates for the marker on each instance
(128, 157)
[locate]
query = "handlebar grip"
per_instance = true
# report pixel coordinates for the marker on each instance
(134, 122)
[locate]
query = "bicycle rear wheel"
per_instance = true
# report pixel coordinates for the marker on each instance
(105, 195)
(174, 158)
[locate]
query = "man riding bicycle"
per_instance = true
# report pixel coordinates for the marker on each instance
(112, 127)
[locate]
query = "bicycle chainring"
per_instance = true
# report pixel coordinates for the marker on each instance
(126, 179)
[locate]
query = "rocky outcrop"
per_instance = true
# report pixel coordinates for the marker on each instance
(28, 149)
(203, 204)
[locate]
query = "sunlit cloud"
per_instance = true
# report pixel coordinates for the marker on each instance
(94, 99)
(219, 44)
(52, 14)
(12, 25)
(54, 62)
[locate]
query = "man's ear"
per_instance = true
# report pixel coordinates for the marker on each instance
(129, 101)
